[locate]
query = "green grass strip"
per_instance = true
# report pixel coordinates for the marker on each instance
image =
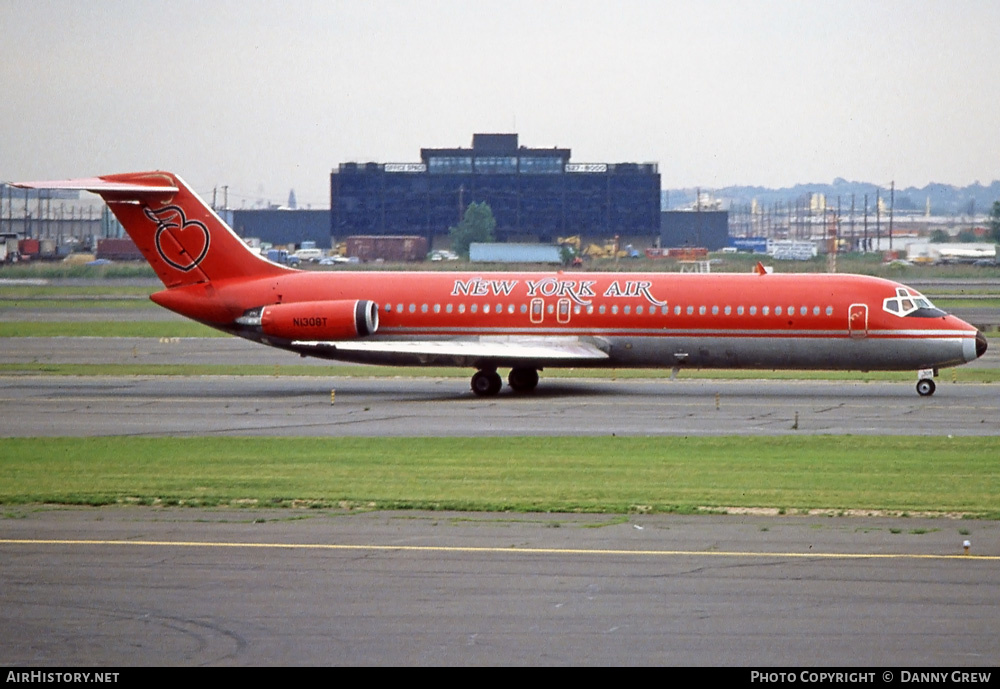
(957, 303)
(562, 474)
(82, 304)
(130, 328)
(109, 289)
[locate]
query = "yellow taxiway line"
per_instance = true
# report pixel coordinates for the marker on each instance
(498, 550)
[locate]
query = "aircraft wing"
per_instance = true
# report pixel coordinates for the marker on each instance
(529, 352)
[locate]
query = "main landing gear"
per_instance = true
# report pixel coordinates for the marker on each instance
(487, 382)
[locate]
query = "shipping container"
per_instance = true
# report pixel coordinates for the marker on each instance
(28, 248)
(123, 249)
(387, 248)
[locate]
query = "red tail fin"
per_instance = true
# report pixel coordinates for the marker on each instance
(182, 238)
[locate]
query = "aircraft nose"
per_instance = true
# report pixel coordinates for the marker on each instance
(980, 343)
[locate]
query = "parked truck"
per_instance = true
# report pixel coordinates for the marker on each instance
(8, 248)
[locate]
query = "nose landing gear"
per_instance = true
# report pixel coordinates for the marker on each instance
(925, 382)
(925, 387)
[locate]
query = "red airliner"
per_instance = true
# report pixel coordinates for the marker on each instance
(527, 321)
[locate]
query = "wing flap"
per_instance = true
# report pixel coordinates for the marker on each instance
(538, 352)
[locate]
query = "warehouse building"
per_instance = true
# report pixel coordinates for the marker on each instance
(536, 194)
(708, 229)
(282, 227)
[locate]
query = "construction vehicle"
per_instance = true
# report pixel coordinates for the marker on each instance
(611, 248)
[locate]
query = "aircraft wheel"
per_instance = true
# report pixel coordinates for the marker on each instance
(523, 379)
(925, 387)
(486, 383)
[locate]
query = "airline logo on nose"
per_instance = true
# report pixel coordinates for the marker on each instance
(180, 242)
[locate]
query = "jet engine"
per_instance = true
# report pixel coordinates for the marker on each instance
(320, 320)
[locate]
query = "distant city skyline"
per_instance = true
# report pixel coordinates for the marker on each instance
(265, 97)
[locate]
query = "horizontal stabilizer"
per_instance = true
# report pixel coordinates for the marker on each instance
(98, 186)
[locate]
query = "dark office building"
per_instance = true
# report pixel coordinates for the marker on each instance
(709, 229)
(536, 194)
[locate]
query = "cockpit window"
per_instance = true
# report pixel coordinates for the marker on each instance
(909, 302)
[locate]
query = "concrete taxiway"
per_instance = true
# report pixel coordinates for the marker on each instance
(402, 406)
(378, 407)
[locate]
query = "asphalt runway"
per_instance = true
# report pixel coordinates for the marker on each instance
(130, 587)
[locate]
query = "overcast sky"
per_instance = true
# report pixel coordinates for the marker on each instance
(269, 96)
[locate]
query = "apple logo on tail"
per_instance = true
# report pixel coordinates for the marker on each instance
(191, 238)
